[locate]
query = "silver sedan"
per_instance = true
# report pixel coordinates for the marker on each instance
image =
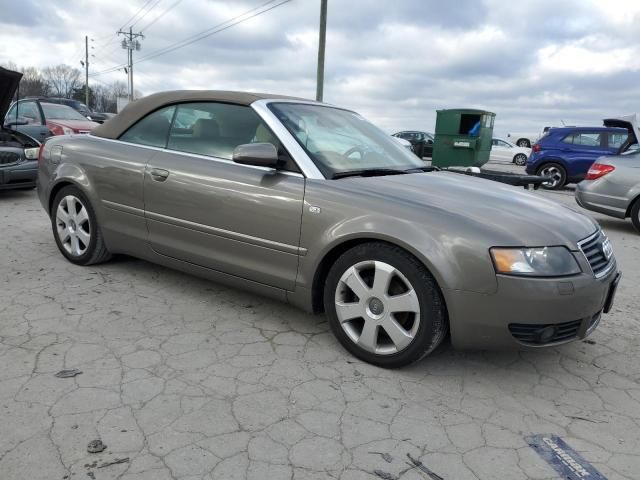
(612, 187)
(312, 204)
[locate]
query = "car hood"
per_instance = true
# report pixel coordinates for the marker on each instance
(507, 214)
(9, 81)
(75, 124)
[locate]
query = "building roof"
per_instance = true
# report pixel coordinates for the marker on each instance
(137, 109)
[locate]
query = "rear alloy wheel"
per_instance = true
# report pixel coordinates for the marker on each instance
(520, 159)
(556, 173)
(635, 214)
(524, 143)
(75, 228)
(384, 306)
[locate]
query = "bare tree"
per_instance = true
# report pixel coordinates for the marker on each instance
(62, 80)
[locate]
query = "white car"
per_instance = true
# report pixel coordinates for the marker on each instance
(503, 151)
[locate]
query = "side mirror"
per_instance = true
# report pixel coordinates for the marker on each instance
(16, 122)
(257, 154)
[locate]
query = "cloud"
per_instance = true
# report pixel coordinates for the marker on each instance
(533, 62)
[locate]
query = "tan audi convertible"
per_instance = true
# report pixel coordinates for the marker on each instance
(311, 204)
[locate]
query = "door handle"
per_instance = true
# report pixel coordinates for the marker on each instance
(159, 174)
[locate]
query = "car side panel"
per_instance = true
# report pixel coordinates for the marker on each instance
(111, 175)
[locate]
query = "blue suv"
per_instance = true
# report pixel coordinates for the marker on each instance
(565, 154)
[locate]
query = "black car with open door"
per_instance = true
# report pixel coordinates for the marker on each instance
(18, 151)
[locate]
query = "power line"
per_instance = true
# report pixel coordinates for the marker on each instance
(135, 14)
(202, 35)
(146, 27)
(212, 31)
(146, 13)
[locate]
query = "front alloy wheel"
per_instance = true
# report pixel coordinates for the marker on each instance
(520, 159)
(380, 314)
(383, 305)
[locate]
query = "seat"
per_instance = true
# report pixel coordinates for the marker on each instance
(206, 129)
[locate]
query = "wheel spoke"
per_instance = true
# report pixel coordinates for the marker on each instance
(369, 337)
(75, 245)
(71, 205)
(82, 215)
(383, 274)
(83, 236)
(61, 214)
(399, 336)
(355, 283)
(63, 234)
(348, 311)
(405, 302)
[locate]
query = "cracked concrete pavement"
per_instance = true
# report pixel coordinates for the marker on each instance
(191, 380)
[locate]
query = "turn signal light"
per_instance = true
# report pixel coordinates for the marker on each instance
(598, 170)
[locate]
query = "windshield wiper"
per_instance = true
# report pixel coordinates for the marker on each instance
(369, 172)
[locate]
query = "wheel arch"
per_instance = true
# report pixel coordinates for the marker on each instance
(59, 185)
(635, 199)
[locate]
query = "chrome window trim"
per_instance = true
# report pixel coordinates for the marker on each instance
(301, 158)
(612, 260)
(196, 155)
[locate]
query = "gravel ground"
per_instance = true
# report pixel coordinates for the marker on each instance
(185, 379)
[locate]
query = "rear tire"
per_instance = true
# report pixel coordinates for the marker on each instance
(635, 214)
(520, 159)
(384, 306)
(558, 174)
(75, 228)
(524, 143)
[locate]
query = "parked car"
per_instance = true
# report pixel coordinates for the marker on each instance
(310, 203)
(503, 151)
(77, 105)
(565, 154)
(405, 143)
(422, 142)
(526, 140)
(612, 187)
(18, 151)
(59, 119)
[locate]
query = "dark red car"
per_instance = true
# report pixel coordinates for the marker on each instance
(59, 119)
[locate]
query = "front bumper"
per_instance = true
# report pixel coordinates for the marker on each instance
(21, 175)
(522, 307)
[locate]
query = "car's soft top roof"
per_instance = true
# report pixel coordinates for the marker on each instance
(134, 111)
(587, 129)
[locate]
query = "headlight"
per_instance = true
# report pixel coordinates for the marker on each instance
(67, 131)
(535, 262)
(31, 153)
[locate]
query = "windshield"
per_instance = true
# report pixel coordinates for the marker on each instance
(342, 141)
(60, 112)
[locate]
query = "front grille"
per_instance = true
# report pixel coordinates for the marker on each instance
(9, 157)
(597, 249)
(531, 333)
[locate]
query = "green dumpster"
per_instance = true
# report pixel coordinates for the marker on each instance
(463, 138)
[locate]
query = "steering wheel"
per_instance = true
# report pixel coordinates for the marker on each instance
(359, 149)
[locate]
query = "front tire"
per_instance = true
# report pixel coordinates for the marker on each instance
(520, 159)
(384, 306)
(557, 174)
(75, 228)
(524, 143)
(635, 215)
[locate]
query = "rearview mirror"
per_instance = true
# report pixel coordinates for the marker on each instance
(257, 154)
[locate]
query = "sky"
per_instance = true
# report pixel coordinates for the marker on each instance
(533, 62)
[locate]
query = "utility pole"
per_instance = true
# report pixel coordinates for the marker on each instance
(86, 70)
(321, 45)
(130, 43)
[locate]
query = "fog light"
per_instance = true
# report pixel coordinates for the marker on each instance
(546, 334)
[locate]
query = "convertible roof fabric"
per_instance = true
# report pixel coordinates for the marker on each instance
(137, 109)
